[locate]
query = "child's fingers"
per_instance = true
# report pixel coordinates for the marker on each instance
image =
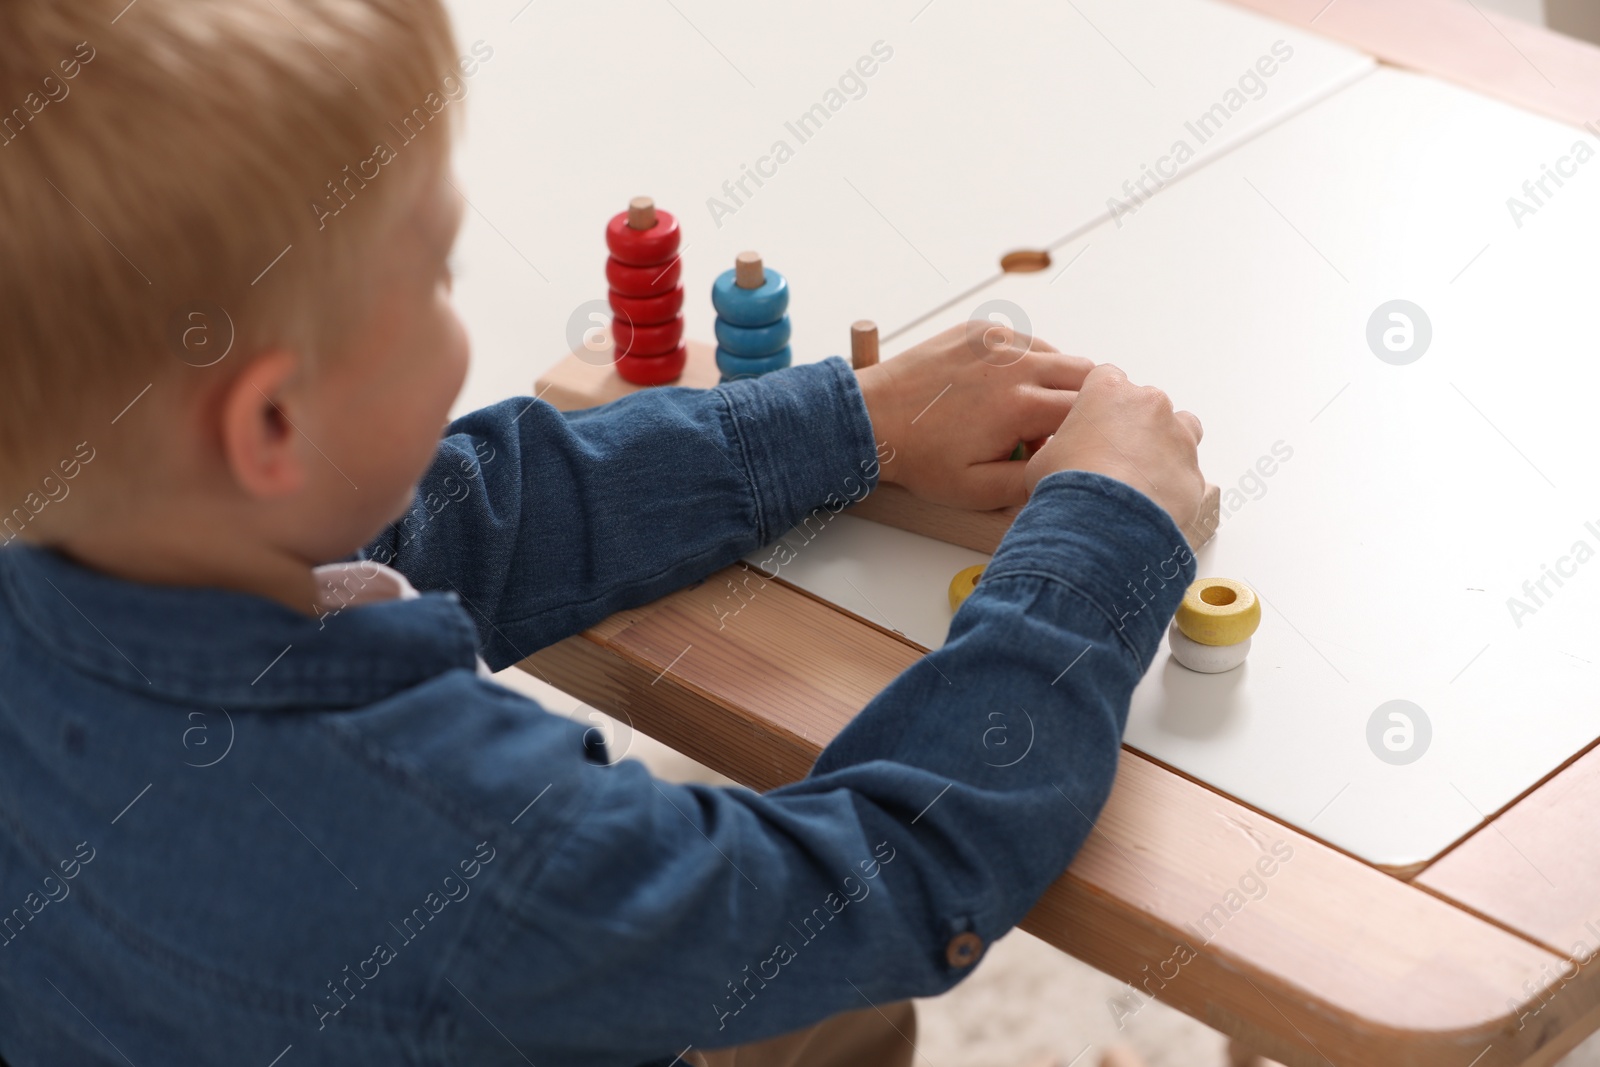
(986, 486)
(1040, 412)
(1204, 525)
(1192, 421)
(1057, 370)
(1105, 375)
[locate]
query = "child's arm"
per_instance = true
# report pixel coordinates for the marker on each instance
(546, 523)
(629, 917)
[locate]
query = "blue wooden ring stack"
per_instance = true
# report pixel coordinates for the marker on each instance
(752, 326)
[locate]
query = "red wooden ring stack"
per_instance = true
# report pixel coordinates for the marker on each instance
(645, 276)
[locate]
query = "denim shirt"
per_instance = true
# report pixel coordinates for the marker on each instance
(235, 834)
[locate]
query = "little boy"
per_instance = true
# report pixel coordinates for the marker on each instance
(259, 802)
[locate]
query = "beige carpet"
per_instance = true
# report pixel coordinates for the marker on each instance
(1024, 999)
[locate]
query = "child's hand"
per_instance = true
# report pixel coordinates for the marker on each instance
(1130, 432)
(948, 413)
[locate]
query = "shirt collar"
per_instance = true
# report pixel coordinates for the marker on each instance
(212, 646)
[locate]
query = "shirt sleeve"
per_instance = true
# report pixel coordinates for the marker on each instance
(692, 915)
(544, 523)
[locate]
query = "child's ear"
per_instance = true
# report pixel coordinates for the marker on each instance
(259, 439)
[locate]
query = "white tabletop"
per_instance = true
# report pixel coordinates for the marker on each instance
(1407, 504)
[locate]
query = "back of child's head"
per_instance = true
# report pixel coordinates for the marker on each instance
(179, 176)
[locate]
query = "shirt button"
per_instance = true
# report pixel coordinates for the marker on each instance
(963, 949)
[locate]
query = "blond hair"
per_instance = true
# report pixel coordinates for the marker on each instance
(166, 156)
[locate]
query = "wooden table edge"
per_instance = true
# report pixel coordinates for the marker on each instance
(1100, 911)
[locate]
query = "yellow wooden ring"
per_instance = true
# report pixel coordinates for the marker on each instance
(1219, 611)
(962, 585)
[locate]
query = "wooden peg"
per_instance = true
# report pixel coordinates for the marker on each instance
(863, 344)
(641, 213)
(748, 273)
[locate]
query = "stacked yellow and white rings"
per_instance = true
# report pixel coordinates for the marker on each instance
(1211, 632)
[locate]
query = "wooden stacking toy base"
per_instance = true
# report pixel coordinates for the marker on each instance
(587, 379)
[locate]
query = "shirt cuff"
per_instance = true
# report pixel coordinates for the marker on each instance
(805, 439)
(1108, 542)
